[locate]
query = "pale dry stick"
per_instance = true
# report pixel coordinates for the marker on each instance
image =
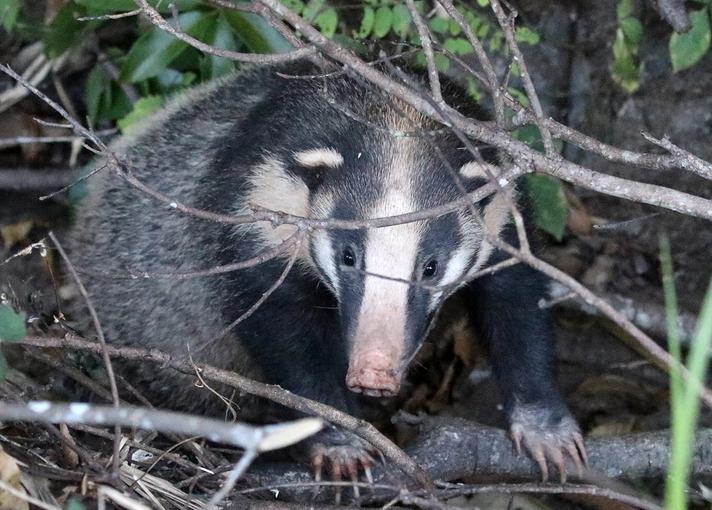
(482, 58)
(361, 428)
(120, 15)
(102, 341)
(6, 487)
(570, 172)
(159, 21)
(702, 168)
(507, 24)
(265, 438)
(247, 457)
(427, 45)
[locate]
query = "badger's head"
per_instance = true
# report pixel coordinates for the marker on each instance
(389, 281)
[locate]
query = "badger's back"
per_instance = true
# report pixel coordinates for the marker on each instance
(120, 232)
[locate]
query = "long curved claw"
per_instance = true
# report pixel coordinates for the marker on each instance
(317, 466)
(345, 459)
(549, 437)
(537, 453)
(578, 439)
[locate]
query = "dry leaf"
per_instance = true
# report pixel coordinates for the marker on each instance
(10, 474)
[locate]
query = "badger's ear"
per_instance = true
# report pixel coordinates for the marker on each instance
(477, 170)
(312, 165)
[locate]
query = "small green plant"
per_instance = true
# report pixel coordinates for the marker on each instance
(12, 329)
(684, 395)
(626, 67)
(687, 49)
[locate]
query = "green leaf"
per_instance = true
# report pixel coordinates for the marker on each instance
(326, 22)
(155, 50)
(143, 108)
(458, 46)
(455, 28)
(9, 11)
(519, 96)
(632, 30)
(473, 89)
(483, 3)
(549, 203)
(369, 17)
(383, 22)
(312, 9)
(527, 36)
(624, 9)
(12, 325)
(687, 49)
(96, 85)
(442, 62)
(255, 32)
(440, 25)
(220, 35)
(625, 71)
(401, 20)
(66, 30)
(294, 5)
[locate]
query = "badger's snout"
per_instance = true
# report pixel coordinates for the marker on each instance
(373, 373)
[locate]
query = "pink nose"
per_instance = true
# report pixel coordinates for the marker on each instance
(373, 374)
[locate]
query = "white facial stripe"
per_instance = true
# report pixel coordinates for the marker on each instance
(458, 264)
(325, 257)
(389, 251)
(319, 157)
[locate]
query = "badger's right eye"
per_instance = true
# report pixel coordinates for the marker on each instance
(348, 258)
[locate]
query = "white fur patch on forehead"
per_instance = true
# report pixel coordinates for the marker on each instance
(475, 169)
(325, 156)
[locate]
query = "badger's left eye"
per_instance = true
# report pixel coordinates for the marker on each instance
(430, 269)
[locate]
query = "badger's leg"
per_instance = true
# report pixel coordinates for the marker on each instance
(520, 339)
(307, 356)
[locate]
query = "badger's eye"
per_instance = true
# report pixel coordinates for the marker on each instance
(430, 269)
(348, 258)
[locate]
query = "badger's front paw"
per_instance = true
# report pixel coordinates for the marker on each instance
(342, 455)
(548, 434)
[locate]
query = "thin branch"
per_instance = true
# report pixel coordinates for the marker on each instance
(507, 24)
(300, 236)
(427, 45)
(159, 21)
(360, 427)
(102, 341)
(261, 439)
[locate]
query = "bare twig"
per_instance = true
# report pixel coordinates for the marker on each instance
(261, 439)
(156, 19)
(507, 24)
(102, 342)
(276, 394)
(427, 45)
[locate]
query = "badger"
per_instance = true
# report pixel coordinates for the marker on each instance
(356, 304)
